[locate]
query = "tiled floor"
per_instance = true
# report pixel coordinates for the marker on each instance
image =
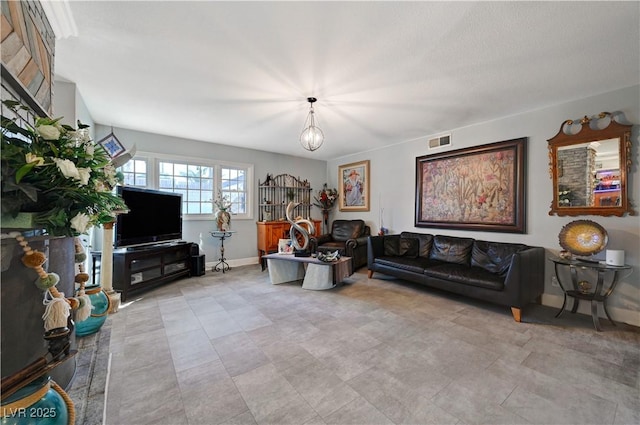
(234, 349)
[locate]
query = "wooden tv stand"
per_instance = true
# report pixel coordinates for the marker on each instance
(140, 268)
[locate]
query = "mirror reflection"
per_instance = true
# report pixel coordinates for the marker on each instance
(589, 174)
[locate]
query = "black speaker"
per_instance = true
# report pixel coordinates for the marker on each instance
(197, 265)
(195, 249)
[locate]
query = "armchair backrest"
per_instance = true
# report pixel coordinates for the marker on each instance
(341, 230)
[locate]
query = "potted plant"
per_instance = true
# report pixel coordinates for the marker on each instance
(326, 200)
(56, 173)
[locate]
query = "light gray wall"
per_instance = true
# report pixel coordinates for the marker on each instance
(69, 104)
(243, 245)
(393, 187)
(64, 102)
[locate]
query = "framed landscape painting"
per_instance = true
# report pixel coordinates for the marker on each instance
(478, 188)
(353, 186)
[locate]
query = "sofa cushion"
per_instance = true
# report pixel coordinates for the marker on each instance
(341, 230)
(395, 245)
(425, 242)
(494, 257)
(468, 275)
(451, 249)
(416, 265)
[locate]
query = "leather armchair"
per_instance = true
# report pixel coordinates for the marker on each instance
(350, 238)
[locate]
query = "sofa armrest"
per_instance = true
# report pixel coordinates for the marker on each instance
(354, 243)
(375, 248)
(525, 279)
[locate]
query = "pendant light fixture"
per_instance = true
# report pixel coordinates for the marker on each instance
(311, 137)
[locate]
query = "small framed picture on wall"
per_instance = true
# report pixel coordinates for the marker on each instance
(111, 145)
(353, 181)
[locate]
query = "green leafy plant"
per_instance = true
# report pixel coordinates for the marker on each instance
(58, 173)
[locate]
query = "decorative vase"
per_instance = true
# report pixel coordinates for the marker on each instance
(101, 305)
(325, 219)
(41, 402)
(223, 220)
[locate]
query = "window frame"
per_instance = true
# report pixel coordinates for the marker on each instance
(153, 179)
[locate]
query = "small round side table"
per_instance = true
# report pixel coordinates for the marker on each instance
(222, 264)
(599, 294)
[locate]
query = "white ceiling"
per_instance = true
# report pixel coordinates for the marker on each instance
(239, 73)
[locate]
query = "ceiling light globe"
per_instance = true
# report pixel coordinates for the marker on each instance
(311, 138)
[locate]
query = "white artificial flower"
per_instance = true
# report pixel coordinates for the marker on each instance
(100, 186)
(109, 170)
(80, 222)
(83, 135)
(29, 158)
(48, 132)
(83, 175)
(67, 168)
(89, 148)
(110, 175)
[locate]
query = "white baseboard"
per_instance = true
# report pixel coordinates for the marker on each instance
(618, 314)
(238, 262)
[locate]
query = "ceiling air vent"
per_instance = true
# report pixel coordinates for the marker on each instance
(439, 142)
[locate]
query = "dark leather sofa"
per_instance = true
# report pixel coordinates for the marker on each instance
(350, 238)
(503, 273)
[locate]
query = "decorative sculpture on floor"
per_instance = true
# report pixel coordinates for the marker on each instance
(297, 230)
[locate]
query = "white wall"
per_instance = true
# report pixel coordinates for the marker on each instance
(242, 247)
(393, 187)
(69, 104)
(64, 102)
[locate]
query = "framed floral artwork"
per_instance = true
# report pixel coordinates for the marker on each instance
(353, 190)
(478, 188)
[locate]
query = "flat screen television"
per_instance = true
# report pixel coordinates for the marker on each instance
(153, 217)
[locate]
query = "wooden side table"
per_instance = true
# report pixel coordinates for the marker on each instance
(596, 295)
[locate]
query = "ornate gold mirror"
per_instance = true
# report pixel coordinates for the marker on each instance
(589, 161)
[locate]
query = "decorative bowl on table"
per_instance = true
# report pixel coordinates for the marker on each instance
(583, 237)
(328, 257)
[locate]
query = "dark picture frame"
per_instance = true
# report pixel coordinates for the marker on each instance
(478, 188)
(112, 145)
